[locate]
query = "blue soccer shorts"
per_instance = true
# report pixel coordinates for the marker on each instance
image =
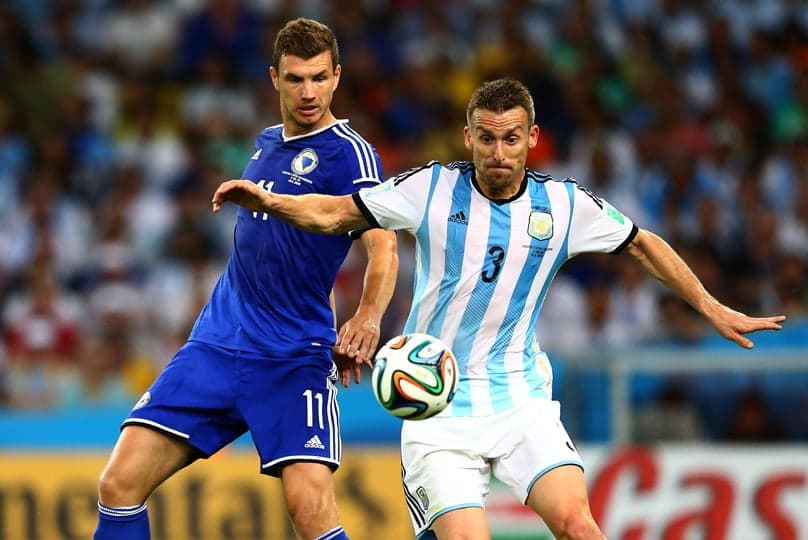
(209, 396)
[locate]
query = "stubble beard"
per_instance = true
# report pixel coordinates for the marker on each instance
(499, 185)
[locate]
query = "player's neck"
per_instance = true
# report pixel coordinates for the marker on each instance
(292, 129)
(500, 193)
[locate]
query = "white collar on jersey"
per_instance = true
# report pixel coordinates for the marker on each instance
(315, 132)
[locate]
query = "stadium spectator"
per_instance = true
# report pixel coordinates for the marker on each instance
(229, 27)
(43, 336)
(139, 35)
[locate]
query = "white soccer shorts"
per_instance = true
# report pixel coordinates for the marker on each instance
(447, 461)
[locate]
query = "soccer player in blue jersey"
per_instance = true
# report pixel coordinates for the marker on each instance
(490, 236)
(259, 357)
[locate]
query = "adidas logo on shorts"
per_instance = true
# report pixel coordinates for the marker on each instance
(315, 442)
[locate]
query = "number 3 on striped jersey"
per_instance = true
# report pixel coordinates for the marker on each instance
(497, 255)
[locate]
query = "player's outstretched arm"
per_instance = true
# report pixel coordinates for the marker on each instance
(662, 262)
(359, 336)
(313, 212)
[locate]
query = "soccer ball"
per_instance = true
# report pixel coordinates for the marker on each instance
(414, 376)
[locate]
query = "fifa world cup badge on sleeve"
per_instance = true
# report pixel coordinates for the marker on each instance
(381, 188)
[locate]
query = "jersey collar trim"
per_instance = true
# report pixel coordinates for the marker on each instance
(311, 133)
(499, 202)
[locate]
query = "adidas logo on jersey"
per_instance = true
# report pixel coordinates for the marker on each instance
(459, 217)
(315, 442)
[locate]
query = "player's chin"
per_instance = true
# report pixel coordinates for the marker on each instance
(498, 175)
(307, 117)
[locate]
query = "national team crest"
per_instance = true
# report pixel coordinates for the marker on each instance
(421, 492)
(540, 225)
(305, 162)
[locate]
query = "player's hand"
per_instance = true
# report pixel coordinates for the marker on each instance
(733, 324)
(357, 339)
(241, 192)
(346, 367)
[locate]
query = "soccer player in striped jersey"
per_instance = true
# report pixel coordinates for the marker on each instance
(490, 236)
(259, 357)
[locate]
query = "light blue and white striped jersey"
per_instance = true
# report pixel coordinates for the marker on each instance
(483, 268)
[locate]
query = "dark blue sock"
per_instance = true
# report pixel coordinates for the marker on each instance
(126, 523)
(337, 533)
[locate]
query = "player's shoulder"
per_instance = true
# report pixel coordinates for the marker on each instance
(270, 133)
(571, 189)
(462, 167)
(538, 178)
(355, 149)
(427, 169)
(543, 178)
(342, 134)
(580, 190)
(342, 131)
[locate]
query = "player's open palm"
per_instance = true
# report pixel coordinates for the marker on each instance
(241, 192)
(733, 324)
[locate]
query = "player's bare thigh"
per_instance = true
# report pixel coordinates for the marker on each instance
(141, 460)
(465, 523)
(559, 497)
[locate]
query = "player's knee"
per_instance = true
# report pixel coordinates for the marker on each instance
(117, 489)
(576, 525)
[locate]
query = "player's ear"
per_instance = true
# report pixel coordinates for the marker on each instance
(467, 137)
(337, 72)
(273, 74)
(533, 136)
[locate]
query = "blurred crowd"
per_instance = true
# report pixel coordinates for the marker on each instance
(118, 118)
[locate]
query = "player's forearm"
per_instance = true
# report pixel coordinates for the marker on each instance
(380, 273)
(313, 212)
(662, 262)
(316, 213)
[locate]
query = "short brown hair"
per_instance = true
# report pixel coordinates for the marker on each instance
(305, 38)
(499, 96)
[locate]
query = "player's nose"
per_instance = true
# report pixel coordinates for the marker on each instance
(307, 90)
(499, 151)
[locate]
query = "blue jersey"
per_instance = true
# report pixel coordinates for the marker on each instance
(273, 296)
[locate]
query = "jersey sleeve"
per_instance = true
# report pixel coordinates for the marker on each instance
(597, 226)
(368, 171)
(400, 202)
(362, 166)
